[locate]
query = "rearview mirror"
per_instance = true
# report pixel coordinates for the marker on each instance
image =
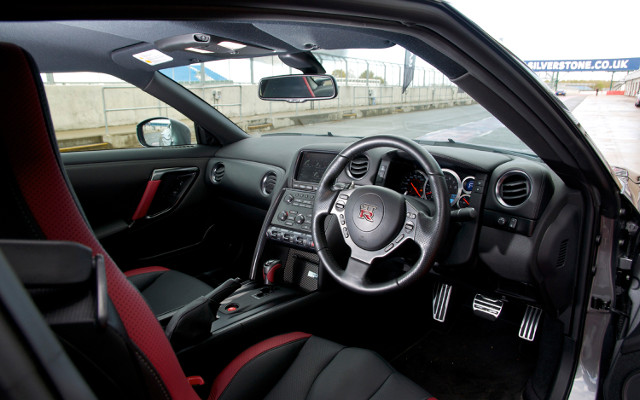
(298, 88)
(160, 132)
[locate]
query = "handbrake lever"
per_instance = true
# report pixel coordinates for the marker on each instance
(192, 322)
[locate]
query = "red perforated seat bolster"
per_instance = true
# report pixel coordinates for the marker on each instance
(36, 166)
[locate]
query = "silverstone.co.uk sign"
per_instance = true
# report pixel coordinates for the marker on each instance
(605, 64)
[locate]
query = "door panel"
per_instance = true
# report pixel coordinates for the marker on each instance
(157, 211)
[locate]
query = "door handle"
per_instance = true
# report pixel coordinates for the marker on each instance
(164, 190)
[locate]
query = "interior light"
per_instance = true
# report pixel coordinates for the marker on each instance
(232, 45)
(199, 50)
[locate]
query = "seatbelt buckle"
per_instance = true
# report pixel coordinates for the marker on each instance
(195, 380)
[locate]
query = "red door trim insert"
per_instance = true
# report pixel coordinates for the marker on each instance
(145, 201)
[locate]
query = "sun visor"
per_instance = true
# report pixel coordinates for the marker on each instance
(323, 37)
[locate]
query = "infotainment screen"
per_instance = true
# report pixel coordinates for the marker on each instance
(312, 166)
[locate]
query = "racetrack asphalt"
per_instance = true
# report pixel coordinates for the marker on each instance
(613, 125)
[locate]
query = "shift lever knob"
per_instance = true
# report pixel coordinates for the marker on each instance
(269, 270)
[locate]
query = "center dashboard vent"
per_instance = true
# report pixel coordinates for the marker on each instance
(358, 167)
(268, 182)
(513, 188)
(217, 173)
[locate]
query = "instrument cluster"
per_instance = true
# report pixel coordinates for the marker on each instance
(416, 183)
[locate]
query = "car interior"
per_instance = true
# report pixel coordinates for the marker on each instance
(243, 265)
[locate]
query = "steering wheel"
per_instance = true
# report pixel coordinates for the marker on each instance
(375, 220)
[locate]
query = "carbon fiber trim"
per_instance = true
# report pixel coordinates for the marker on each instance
(301, 270)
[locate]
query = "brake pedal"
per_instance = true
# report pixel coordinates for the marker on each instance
(486, 307)
(529, 324)
(441, 296)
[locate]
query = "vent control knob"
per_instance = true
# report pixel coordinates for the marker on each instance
(283, 216)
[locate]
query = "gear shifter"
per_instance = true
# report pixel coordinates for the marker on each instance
(269, 271)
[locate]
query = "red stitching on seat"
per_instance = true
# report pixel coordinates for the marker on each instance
(227, 374)
(145, 270)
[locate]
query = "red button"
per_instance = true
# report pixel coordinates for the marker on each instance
(231, 308)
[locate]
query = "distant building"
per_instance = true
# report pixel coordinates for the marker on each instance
(632, 83)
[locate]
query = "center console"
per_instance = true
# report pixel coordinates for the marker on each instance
(287, 228)
(291, 222)
(285, 273)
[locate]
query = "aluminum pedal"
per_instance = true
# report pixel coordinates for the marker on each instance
(441, 296)
(487, 307)
(529, 324)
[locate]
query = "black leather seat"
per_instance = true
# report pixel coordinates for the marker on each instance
(40, 204)
(300, 366)
(166, 290)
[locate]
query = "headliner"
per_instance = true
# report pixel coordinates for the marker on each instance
(99, 46)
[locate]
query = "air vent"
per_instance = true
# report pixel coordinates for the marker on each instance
(268, 182)
(217, 173)
(562, 254)
(513, 188)
(358, 167)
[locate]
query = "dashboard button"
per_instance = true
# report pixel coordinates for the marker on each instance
(283, 216)
(345, 232)
(512, 223)
(502, 221)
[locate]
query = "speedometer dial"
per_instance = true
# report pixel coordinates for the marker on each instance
(414, 184)
(453, 184)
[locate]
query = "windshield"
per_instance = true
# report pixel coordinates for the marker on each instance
(380, 91)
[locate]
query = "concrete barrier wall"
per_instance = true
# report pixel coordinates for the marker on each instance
(79, 112)
(78, 107)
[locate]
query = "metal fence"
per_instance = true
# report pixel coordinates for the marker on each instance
(364, 83)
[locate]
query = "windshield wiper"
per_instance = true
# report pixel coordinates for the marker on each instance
(328, 134)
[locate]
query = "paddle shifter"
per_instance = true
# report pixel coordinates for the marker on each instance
(192, 322)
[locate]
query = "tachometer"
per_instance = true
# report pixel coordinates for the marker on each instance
(414, 184)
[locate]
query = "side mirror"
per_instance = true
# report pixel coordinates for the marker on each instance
(160, 132)
(298, 88)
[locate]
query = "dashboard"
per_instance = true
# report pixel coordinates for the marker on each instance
(521, 224)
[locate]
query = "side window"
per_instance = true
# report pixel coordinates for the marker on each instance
(92, 111)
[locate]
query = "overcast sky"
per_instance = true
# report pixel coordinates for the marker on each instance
(559, 29)
(554, 30)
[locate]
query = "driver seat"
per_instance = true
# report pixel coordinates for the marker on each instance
(40, 204)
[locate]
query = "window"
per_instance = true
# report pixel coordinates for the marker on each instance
(92, 111)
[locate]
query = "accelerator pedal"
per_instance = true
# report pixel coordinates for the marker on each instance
(529, 324)
(441, 296)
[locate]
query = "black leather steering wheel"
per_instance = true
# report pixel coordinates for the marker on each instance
(375, 220)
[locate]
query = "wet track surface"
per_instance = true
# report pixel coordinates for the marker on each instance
(611, 122)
